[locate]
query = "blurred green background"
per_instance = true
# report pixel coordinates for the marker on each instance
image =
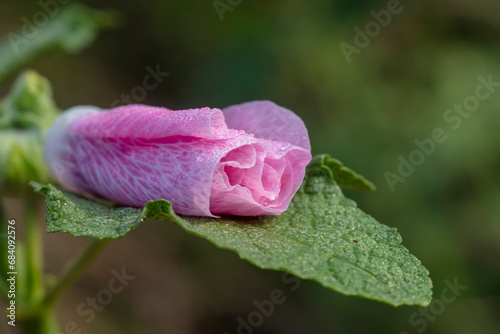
(366, 112)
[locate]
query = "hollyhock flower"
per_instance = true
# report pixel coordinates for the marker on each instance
(247, 160)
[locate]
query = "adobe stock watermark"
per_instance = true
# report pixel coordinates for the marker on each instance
(95, 304)
(372, 29)
(266, 308)
(222, 6)
(151, 81)
(420, 320)
(453, 118)
(30, 28)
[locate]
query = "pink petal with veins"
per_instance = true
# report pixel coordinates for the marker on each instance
(134, 154)
(267, 120)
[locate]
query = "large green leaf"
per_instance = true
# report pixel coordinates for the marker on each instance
(322, 236)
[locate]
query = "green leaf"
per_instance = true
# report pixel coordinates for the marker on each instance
(343, 176)
(72, 29)
(67, 212)
(322, 236)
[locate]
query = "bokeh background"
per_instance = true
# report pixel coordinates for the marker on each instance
(366, 112)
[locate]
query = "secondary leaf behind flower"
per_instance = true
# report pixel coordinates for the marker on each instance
(343, 176)
(323, 236)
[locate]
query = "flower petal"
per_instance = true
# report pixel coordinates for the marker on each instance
(258, 179)
(60, 156)
(267, 120)
(141, 121)
(135, 171)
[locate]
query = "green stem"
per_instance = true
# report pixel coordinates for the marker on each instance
(40, 317)
(33, 242)
(75, 268)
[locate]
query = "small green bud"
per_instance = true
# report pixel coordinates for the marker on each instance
(25, 114)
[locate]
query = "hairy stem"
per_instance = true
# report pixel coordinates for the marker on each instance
(74, 269)
(34, 251)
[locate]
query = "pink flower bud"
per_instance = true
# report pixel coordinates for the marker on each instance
(248, 160)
